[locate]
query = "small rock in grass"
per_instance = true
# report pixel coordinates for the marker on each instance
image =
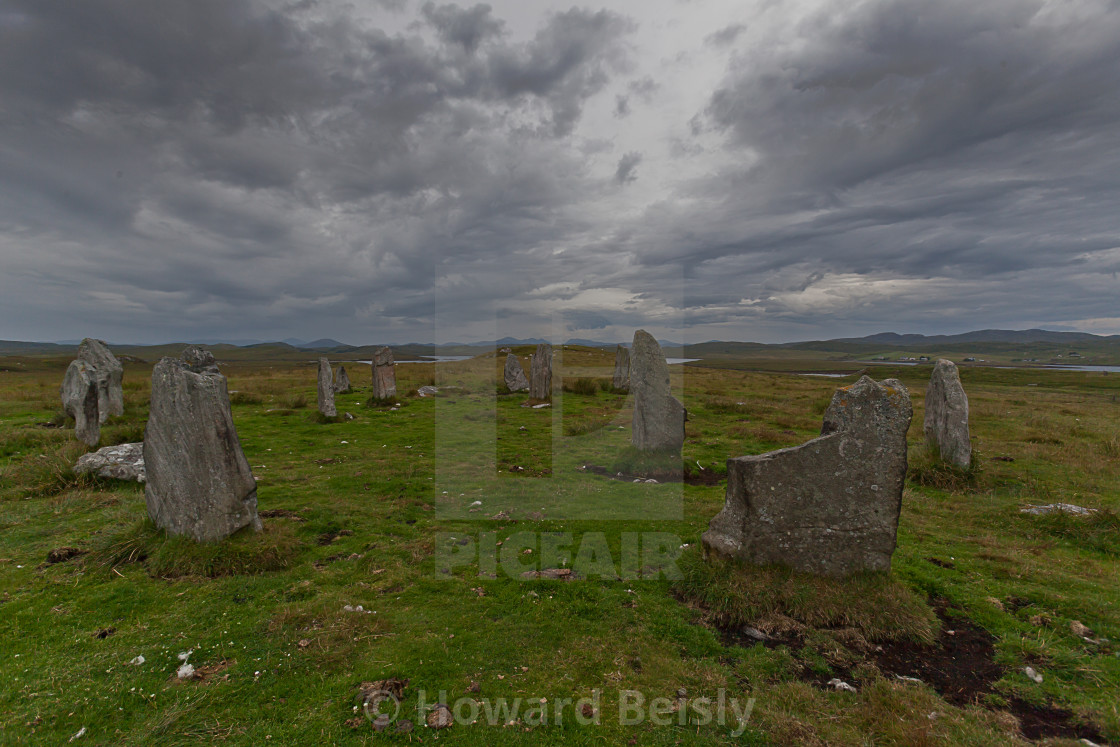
(1033, 675)
(404, 726)
(755, 633)
(440, 717)
(1080, 630)
(381, 723)
(137, 661)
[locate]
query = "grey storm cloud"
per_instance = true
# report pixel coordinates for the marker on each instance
(392, 170)
(627, 167)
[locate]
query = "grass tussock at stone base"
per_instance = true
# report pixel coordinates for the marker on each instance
(737, 594)
(166, 556)
(928, 470)
(660, 466)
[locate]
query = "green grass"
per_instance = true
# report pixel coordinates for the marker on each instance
(362, 512)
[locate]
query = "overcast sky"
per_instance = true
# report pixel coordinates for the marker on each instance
(394, 170)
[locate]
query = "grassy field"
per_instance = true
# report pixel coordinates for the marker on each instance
(400, 510)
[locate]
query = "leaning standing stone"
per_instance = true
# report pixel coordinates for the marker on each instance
(326, 389)
(540, 373)
(199, 482)
(79, 400)
(515, 375)
(829, 506)
(341, 381)
(384, 375)
(108, 372)
(658, 423)
(946, 421)
(621, 380)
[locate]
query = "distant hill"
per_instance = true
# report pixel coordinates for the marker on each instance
(324, 343)
(1021, 337)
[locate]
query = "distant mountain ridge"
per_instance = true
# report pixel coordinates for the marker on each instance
(858, 345)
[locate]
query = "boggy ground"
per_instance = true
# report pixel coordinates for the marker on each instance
(388, 510)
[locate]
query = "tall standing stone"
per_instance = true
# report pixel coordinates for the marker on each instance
(946, 421)
(108, 372)
(515, 375)
(79, 401)
(384, 375)
(199, 482)
(829, 506)
(621, 380)
(341, 381)
(326, 389)
(540, 373)
(658, 423)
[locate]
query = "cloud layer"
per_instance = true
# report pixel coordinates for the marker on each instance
(397, 171)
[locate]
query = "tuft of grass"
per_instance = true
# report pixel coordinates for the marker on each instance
(296, 402)
(1099, 531)
(736, 594)
(167, 556)
(245, 398)
(581, 386)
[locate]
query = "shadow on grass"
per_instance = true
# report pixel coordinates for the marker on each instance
(736, 594)
(166, 556)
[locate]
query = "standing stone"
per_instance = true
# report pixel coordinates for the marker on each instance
(946, 421)
(515, 375)
(384, 375)
(326, 389)
(621, 380)
(199, 482)
(540, 373)
(108, 373)
(341, 381)
(79, 400)
(658, 423)
(829, 506)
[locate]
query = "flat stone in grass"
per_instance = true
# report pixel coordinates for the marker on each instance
(109, 373)
(829, 506)
(621, 379)
(658, 422)
(341, 381)
(540, 373)
(326, 389)
(79, 400)
(515, 375)
(384, 375)
(946, 421)
(199, 482)
(120, 462)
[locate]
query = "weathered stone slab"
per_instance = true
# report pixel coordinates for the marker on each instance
(199, 482)
(540, 373)
(829, 506)
(658, 422)
(384, 375)
(621, 379)
(341, 381)
(326, 389)
(946, 420)
(79, 401)
(120, 462)
(109, 373)
(515, 375)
